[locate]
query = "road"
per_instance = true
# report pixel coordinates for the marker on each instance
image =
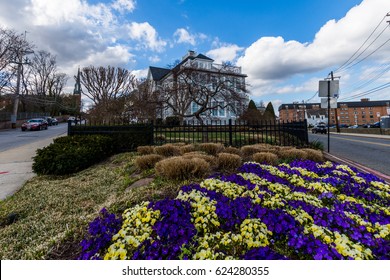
(368, 151)
(13, 138)
(17, 149)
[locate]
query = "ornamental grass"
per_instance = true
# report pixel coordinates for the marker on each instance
(167, 150)
(211, 148)
(180, 168)
(145, 150)
(228, 162)
(265, 157)
(302, 210)
(147, 161)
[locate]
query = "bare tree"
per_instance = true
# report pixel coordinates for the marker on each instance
(12, 48)
(108, 88)
(145, 103)
(199, 93)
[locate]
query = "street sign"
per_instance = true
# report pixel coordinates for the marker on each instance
(323, 88)
(333, 103)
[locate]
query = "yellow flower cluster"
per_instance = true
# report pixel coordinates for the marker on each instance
(203, 209)
(228, 189)
(381, 186)
(253, 234)
(305, 172)
(320, 187)
(346, 168)
(327, 164)
(136, 228)
(301, 216)
(340, 242)
(381, 231)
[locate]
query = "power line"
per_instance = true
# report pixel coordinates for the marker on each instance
(368, 92)
(348, 61)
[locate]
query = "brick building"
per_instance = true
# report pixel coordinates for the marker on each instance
(348, 113)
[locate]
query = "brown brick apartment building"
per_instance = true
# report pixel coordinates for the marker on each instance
(348, 113)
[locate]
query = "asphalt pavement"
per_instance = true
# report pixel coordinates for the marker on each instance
(16, 166)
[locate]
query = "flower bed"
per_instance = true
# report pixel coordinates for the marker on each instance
(301, 210)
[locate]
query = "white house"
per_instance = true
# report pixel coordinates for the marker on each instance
(198, 87)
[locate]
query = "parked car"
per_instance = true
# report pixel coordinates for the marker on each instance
(321, 128)
(34, 124)
(375, 125)
(54, 121)
(49, 120)
(353, 126)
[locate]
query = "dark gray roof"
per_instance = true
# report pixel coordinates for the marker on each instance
(201, 56)
(158, 73)
(352, 104)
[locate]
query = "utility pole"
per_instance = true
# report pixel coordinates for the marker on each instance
(19, 62)
(17, 91)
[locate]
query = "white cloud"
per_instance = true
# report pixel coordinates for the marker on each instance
(274, 60)
(183, 36)
(147, 36)
(154, 59)
(228, 52)
(124, 5)
(141, 73)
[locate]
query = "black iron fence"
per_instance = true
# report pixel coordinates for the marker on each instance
(229, 133)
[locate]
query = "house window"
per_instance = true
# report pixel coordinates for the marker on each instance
(194, 107)
(221, 109)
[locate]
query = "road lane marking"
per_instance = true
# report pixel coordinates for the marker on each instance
(361, 141)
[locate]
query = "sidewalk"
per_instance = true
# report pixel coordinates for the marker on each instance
(16, 166)
(380, 136)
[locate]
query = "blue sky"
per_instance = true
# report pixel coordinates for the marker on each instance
(283, 46)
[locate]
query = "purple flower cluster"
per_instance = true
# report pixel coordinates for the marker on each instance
(100, 233)
(173, 230)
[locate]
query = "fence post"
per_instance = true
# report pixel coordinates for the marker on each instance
(153, 132)
(69, 126)
(230, 133)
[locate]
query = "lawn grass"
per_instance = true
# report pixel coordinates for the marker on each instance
(49, 216)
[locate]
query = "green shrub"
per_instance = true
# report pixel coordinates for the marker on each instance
(228, 162)
(172, 120)
(180, 168)
(147, 161)
(211, 148)
(167, 150)
(265, 157)
(70, 154)
(145, 150)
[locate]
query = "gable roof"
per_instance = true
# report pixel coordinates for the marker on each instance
(201, 56)
(158, 73)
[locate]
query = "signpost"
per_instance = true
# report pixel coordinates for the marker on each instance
(330, 90)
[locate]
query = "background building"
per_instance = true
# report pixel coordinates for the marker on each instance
(348, 113)
(199, 89)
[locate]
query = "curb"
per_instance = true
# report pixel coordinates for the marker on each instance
(360, 167)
